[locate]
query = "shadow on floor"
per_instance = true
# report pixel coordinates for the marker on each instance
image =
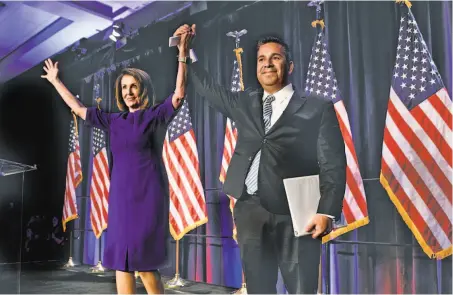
(51, 278)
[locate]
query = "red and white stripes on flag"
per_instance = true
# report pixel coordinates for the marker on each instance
(231, 132)
(416, 165)
(228, 150)
(228, 147)
(321, 81)
(100, 184)
(180, 156)
(73, 175)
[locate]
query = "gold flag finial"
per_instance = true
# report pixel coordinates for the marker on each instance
(98, 101)
(238, 50)
(318, 22)
(407, 2)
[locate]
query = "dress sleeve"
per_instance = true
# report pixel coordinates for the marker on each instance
(98, 118)
(161, 113)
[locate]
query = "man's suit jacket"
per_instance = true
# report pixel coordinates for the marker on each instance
(305, 140)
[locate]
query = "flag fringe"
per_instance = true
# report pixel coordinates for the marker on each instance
(352, 226)
(76, 125)
(99, 234)
(426, 248)
(187, 229)
(235, 232)
(78, 181)
(72, 217)
(318, 22)
(407, 2)
(235, 235)
(238, 52)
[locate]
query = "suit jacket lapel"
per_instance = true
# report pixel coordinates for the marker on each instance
(257, 109)
(295, 103)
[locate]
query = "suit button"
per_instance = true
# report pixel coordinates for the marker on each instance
(264, 140)
(250, 158)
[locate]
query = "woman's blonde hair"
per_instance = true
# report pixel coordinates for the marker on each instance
(146, 93)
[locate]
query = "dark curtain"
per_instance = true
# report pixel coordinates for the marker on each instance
(362, 40)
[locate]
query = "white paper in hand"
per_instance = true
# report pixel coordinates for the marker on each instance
(303, 199)
(173, 41)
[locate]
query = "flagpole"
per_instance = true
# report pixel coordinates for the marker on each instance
(70, 262)
(320, 276)
(176, 281)
(237, 35)
(317, 4)
(99, 268)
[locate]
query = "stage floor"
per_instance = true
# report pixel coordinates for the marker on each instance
(49, 278)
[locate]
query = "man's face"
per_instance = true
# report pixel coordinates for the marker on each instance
(271, 66)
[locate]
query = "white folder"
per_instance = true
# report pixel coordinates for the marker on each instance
(303, 199)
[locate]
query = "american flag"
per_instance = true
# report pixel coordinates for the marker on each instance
(180, 156)
(322, 82)
(416, 166)
(231, 132)
(73, 175)
(100, 183)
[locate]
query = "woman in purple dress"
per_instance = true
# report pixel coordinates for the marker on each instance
(138, 205)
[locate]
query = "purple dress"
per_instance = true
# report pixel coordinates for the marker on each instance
(138, 205)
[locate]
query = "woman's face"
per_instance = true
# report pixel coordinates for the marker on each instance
(54, 221)
(130, 92)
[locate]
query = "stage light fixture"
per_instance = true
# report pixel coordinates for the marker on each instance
(113, 38)
(117, 32)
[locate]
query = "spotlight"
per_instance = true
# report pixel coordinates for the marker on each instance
(117, 32)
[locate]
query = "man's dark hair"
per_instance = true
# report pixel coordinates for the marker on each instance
(274, 39)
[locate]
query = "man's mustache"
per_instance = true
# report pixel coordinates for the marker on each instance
(268, 69)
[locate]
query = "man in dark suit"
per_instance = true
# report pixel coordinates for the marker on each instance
(281, 134)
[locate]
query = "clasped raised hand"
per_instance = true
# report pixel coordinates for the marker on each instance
(186, 33)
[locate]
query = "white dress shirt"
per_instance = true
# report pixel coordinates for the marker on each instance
(282, 98)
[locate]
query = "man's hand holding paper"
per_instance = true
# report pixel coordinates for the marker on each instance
(303, 199)
(319, 225)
